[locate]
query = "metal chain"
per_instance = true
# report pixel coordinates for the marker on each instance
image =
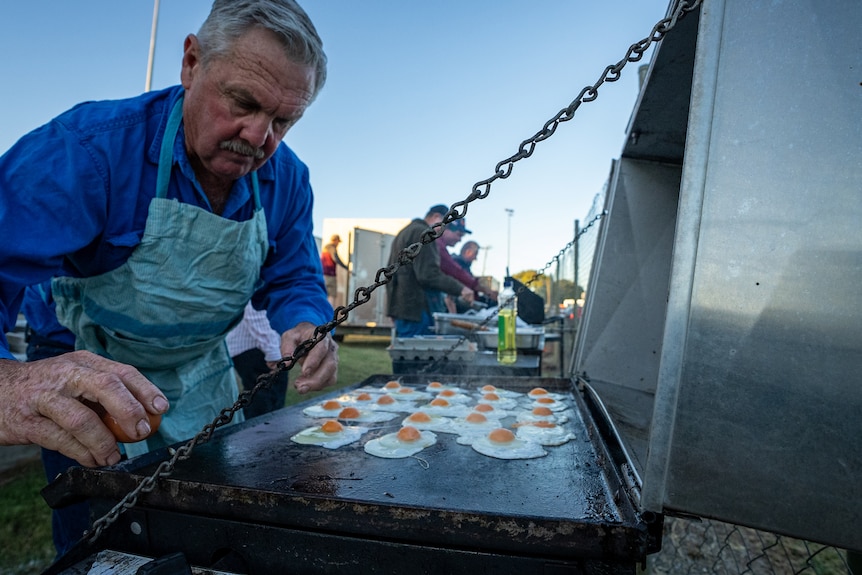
(383, 276)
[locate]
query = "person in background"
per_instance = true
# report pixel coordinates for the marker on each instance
(255, 349)
(330, 262)
(159, 217)
(468, 254)
(414, 291)
(453, 234)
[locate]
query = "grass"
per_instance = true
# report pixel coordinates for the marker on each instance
(25, 519)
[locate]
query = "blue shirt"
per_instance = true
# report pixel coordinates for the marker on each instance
(74, 196)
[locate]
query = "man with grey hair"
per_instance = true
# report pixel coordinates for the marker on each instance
(159, 217)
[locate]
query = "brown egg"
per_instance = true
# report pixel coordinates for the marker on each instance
(114, 426)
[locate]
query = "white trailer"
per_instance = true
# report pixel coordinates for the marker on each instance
(365, 245)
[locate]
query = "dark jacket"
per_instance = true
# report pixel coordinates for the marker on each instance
(407, 290)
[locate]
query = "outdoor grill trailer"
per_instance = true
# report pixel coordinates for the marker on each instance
(716, 372)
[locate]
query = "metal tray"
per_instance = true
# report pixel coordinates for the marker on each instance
(525, 338)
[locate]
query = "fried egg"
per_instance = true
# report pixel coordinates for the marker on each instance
(388, 403)
(498, 401)
(544, 433)
(538, 392)
(392, 386)
(499, 391)
(490, 411)
(541, 414)
(329, 434)
(359, 399)
(472, 426)
(440, 406)
(351, 413)
(436, 387)
(554, 405)
(328, 408)
(405, 442)
(453, 396)
(422, 421)
(502, 444)
(406, 393)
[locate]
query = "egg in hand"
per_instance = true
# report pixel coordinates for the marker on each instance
(330, 434)
(405, 442)
(502, 444)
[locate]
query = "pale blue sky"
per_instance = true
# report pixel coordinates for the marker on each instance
(423, 99)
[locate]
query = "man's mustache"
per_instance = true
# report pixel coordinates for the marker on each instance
(240, 147)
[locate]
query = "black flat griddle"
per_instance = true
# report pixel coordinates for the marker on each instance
(252, 484)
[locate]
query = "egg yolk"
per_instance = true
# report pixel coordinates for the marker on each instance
(447, 393)
(331, 405)
(348, 413)
(331, 426)
(392, 385)
(542, 411)
(409, 434)
(544, 424)
(420, 417)
(405, 390)
(363, 397)
(501, 435)
(440, 402)
(491, 397)
(546, 400)
(435, 385)
(489, 388)
(483, 407)
(385, 400)
(537, 391)
(476, 418)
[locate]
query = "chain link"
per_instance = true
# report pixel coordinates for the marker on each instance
(362, 295)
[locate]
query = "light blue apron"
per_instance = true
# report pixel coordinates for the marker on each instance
(167, 310)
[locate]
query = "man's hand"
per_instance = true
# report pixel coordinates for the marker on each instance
(41, 402)
(467, 295)
(320, 366)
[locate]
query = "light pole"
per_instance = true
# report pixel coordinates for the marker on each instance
(485, 257)
(152, 54)
(509, 211)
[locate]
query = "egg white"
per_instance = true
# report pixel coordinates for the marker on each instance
(397, 407)
(451, 410)
(457, 398)
(316, 436)
(390, 446)
(551, 394)
(318, 411)
(557, 435)
(370, 416)
(516, 449)
(557, 405)
(412, 395)
(438, 423)
(444, 386)
(461, 426)
(527, 416)
(502, 403)
(499, 391)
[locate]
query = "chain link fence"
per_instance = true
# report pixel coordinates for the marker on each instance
(694, 546)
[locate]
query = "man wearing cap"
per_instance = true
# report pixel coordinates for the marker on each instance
(329, 260)
(453, 234)
(415, 287)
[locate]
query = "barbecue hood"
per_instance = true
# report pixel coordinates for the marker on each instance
(723, 324)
